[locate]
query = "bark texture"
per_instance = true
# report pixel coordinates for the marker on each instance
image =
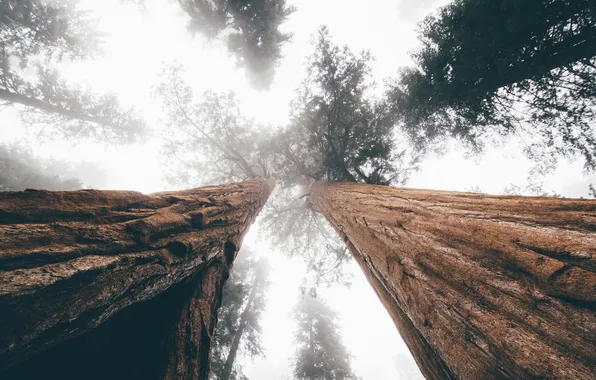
(493, 287)
(69, 261)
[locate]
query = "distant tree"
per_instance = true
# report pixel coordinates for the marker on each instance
(474, 189)
(592, 190)
(320, 353)
(238, 328)
(33, 35)
(209, 141)
(533, 187)
(250, 27)
(20, 169)
(505, 67)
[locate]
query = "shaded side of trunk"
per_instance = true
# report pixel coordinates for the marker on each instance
(188, 345)
(478, 286)
(71, 260)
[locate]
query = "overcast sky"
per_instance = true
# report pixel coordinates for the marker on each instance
(139, 43)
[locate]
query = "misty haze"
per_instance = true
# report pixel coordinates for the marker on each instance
(297, 189)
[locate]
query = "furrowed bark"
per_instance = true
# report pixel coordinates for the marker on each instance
(188, 345)
(478, 286)
(70, 261)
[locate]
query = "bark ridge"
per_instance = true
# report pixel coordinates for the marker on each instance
(69, 261)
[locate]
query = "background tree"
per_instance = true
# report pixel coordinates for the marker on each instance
(209, 141)
(238, 329)
(250, 27)
(20, 170)
(505, 67)
(34, 34)
(320, 353)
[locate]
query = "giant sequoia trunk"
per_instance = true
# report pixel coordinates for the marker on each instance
(479, 287)
(116, 284)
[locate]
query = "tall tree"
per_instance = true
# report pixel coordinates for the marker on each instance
(36, 33)
(238, 327)
(250, 27)
(320, 354)
(505, 67)
(478, 286)
(117, 284)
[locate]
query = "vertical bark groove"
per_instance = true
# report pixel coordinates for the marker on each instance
(71, 260)
(478, 286)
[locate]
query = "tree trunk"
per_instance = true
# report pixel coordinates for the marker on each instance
(71, 261)
(478, 286)
(227, 370)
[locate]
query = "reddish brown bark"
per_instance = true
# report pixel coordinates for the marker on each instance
(69, 261)
(478, 286)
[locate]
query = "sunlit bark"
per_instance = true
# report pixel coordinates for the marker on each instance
(479, 287)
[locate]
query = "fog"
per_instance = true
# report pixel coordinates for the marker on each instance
(139, 42)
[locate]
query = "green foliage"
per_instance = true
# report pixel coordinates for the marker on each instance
(504, 67)
(248, 278)
(35, 34)
(320, 353)
(251, 29)
(20, 169)
(338, 132)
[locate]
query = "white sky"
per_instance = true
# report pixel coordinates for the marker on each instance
(137, 45)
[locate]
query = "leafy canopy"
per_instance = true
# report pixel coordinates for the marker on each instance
(338, 131)
(490, 67)
(35, 35)
(250, 27)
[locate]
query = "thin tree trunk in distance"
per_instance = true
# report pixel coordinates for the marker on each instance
(479, 287)
(229, 365)
(69, 261)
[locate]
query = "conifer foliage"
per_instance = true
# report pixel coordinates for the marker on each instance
(320, 353)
